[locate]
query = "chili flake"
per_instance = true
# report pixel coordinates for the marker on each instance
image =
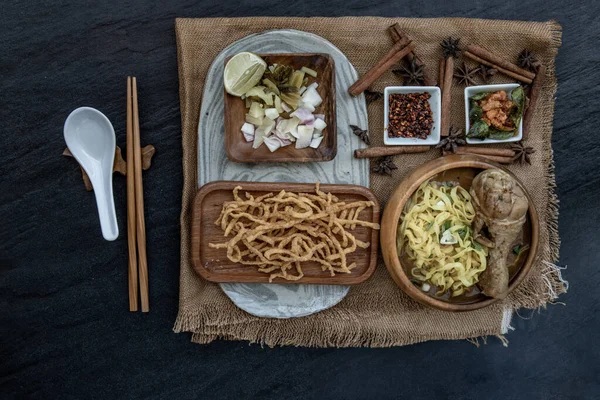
(410, 115)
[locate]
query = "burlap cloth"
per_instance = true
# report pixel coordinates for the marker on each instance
(376, 313)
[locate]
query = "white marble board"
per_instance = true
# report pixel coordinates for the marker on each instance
(273, 300)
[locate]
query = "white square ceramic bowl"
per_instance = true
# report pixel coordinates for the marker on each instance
(435, 102)
(473, 90)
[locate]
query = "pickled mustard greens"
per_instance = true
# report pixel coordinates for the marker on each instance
(309, 71)
(437, 237)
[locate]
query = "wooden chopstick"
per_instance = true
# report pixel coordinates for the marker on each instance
(139, 202)
(131, 237)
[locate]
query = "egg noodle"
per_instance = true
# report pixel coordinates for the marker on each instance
(437, 237)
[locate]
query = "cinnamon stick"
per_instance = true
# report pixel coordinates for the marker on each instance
(397, 36)
(498, 67)
(498, 159)
(533, 98)
(487, 151)
(446, 96)
(395, 49)
(397, 53)
(499, 61)
(373, 152)
(399, 45)
(404, 41)
(394, 31)
(442, 70)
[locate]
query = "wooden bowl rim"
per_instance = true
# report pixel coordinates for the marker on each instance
(391, 217)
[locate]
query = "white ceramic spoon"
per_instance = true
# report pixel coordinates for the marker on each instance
(91, 139)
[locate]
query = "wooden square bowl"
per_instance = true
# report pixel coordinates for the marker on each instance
(239, 150)
(461, 169)
(213, 265)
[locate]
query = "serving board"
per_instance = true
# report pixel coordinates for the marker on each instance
(239, 150)
(274, 300)
(213, 265)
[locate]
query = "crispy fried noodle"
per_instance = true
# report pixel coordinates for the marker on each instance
(278, 233)
(436, 235)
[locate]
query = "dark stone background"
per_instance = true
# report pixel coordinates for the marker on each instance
(66, 331)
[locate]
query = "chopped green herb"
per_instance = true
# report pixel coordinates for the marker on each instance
(447, 225)
(429, 226)
(476, 246)
(518, 249)
(462, 232)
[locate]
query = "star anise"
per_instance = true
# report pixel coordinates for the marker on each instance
(528, 60)
(450, 47)
(363, 134)
(384, 165)
(486, 72)
(453, 140)
(465, 74)
(372, 95)
(522, 152)
(411, 73)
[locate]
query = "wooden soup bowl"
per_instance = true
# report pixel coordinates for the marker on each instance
(460, 168)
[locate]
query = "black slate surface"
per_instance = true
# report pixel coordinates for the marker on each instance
(65, 329)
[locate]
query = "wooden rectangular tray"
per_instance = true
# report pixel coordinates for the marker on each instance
(239, 150)
(213, 264)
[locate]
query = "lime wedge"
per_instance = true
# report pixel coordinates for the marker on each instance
(242, 72)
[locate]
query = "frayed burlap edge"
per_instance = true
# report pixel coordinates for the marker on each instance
(551, 272)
